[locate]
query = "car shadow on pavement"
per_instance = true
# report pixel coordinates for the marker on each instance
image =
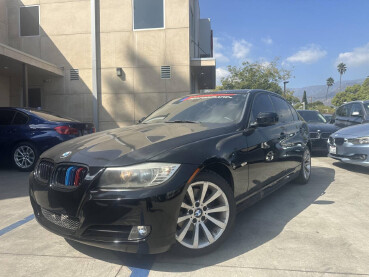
(254, 227)
(352, 167)
(13, 183)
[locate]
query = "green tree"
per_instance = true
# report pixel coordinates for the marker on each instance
(341, 69)
(304, 99)
(330, 82)
(256, 76)
(290, 97)
(355, 92)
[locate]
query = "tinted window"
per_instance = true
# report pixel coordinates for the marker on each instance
(344, 110)
(20, 119)
(29, 21)
(6, 117)
(148, 14)
(262, 104)
(294, 114)
(356, 107)
(283, 109)
(312, 116)
(51, 117)
(204, 108)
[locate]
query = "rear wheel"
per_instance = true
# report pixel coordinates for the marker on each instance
(25, 156)
(206, 216)
(305, 168)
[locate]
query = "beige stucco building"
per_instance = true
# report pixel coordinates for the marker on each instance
(110, 62)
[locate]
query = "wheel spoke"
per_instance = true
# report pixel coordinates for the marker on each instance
(191, 195)
(196, 237)
(183, 218)
(216, 222)
(211, 199)
(209, 236)
(204, 190)
(185, 206)
(218, 210)
(184, 231)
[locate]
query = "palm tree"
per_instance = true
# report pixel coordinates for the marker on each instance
(341, 69)
(330, 82)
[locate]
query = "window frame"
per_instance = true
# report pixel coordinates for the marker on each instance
(39, 21)
(21, 113)
(147, 29)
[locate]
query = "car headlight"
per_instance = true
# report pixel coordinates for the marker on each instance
(137, 176)
(363, 140)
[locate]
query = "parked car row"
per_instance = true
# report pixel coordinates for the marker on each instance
(346, 136)
(26, 133)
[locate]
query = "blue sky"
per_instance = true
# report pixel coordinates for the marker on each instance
(309, 36)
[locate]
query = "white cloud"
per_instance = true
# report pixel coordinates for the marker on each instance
(241, 49)
(308, 54)
(267, 40)
(221, 73)
(359, 56)
(218, 51)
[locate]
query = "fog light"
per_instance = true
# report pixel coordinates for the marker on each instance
(139, 232)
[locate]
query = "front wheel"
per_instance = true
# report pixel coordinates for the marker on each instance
(305, 172)
(206, 215)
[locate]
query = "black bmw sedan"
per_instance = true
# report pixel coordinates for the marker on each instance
(319, 130)
(178, 177)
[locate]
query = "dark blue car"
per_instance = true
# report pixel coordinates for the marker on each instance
(26, 133)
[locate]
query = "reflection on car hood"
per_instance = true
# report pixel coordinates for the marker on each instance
(361, 130)
(322, 127)
(130, 145)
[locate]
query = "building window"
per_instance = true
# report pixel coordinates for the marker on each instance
(148, 14)
(29, 21)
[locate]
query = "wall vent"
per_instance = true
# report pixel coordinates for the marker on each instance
(74, 74)
(166, 72)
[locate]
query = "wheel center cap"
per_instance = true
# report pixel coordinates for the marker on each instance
(198, 213)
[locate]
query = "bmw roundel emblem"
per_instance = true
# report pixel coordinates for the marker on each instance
(66, 154)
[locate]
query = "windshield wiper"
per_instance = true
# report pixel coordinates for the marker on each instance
(181, 121)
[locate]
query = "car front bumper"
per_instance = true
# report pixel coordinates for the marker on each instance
(352, 154)
(104, 218)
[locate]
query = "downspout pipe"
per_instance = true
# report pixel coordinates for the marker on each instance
(95, 47)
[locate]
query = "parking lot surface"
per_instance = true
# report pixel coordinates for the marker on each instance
(320, 229)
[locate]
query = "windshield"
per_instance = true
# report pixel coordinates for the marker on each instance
(310, 116)
(207, 108)
(366, 105)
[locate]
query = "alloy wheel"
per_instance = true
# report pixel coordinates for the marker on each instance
(24, 156)
(203, 217)
(306, 164)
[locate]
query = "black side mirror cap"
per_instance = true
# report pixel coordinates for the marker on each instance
(267, 119)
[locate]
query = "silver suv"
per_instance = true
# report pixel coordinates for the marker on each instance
(352, 113)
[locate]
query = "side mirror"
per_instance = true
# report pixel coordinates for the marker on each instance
(266, 119)
(356, 114)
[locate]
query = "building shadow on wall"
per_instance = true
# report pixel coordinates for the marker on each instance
(254, 227)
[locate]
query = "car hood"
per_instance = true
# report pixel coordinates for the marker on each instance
(130, 145)
(361, 130)
(322, 127)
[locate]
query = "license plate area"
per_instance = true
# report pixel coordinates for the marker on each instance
(333, 150)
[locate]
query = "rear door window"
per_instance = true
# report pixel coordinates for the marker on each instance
(6, 117)
(283, 109)
(344, 110)
(20, 119)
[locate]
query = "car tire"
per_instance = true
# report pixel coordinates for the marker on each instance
(206, 216)
(24, 156)
(305, 171)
